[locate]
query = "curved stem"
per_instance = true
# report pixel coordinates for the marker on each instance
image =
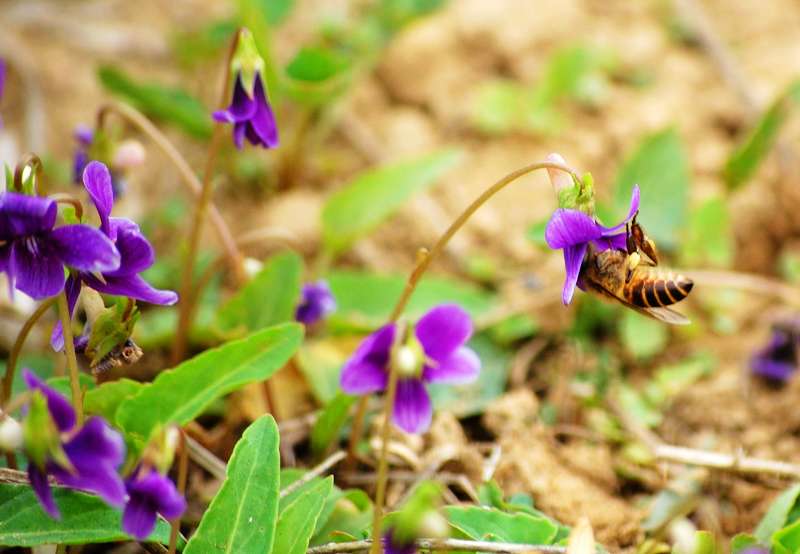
(16, 349)
(424, 259)
(30, 160)
(63, 198)
(72, 361)
(203, 201)
(188, 177)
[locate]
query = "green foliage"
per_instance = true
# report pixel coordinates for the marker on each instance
(62, 384)
(661, 169)
(366, 299)
(84, 519)
(709, 239)
(742, 541)
(268, 298)
(787, 540)
(376, 194)
(180, 394)
(346, 516)
(535, 233)
(112, 328)
(298, 519)
(243, 514)
(513, 329)
(744, 161)
(576, 72)
(489, 524)
(777, 515)
(320, 360)
(329, 423)
(317, 75)
(106, 399)
(705, 543)
(641, 336)
(168, 104)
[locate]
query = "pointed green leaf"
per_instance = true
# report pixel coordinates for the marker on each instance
(328, 425)
(489, 524)
(84, 519)
(660, 167)
(298, 520)
(181, 394)
(746, 158)
(777, 514)
(242, 516)
(268, 298)
(374, 195)
(169, 104)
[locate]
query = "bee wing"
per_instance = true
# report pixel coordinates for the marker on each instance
(661, 313)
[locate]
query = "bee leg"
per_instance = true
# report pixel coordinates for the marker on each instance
(630, 242)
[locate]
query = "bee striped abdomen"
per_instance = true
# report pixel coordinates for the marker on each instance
(653, 291)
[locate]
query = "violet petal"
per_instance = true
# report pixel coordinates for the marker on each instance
(37, 271)
(133, 286)
(97, 181)
(22, 215)
(59, 407)
(412, 406)
(634, 207)
(41, 489)
(84, 248)
(139, 517)
(462, 366)
(136, 252)
(570, 227)
(573, 258)
(442, 330)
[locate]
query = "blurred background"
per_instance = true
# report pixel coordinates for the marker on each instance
(694, 100)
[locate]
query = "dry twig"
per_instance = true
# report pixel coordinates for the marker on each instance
(443, 545)
(316, 471)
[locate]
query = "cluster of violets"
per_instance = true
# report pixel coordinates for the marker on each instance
(88, 457)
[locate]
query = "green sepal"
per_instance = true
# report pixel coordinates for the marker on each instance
(580, 196)
(247, 61)
(41, 436)
(112, 327)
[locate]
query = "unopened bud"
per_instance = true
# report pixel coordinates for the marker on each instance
(561, 180)
(434, 525)
(129, 153)
(10, 434)
(252, 267)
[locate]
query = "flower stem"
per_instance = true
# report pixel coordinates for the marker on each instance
(183, 471)
(138, 120)
(186, 308)
(424, 259)
(72, 361)
(16, 349)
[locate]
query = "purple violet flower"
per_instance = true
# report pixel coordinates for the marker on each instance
(440, 335)
(779, 359)
(573, 230)
(252, 117)
(135, 251)
(95, 451)
(316, 303)
(391, 546)
(84, 136)
(33, 253)
(149, 494)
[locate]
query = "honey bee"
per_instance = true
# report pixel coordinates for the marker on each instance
(636, 282)
(127, 353)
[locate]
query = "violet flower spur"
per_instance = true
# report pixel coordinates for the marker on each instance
(92, 452)
(572, 231)
(434, 353)
(392, 546)
(316, 303)
(251, 115)
(149, 493)
(33, 253)
(136, 253)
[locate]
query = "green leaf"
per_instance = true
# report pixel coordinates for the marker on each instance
(328, 425)
(744, 161)
(180, 394)
(296, 523)
(242, 516)
(349, 520)
(660, 167)
(374, 195)
(276, 11)
(367, 299)
(168, 104)
(315, 64)
(317, 75)
(63, 385)
(106, 399)
(709, 239)
(638, 407)
(788, 538)
(84, 519)
(535, 233)
(497, 105)
(642, 337)
(742, 541)
(489, 524)
(777, 514)
(268, 298)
